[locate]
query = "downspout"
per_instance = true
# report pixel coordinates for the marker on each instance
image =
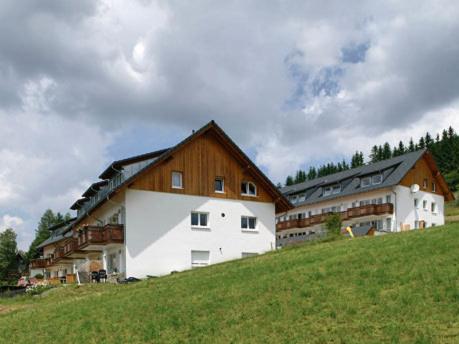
(395, 209)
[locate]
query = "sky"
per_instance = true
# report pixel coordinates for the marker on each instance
(294, 83)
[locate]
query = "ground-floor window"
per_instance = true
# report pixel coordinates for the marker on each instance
(112, 263)
(199, 258)
(389, 223)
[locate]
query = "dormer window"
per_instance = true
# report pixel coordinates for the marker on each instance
(334, 189)
(301, 197)
(376, 179)
(365, 182)
(248, 189)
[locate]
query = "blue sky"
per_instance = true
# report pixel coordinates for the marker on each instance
(294, 83)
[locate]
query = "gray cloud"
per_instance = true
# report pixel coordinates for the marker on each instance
(294, 81)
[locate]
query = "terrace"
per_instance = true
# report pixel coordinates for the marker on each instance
(351, 213)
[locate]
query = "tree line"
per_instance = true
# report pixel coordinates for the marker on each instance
(13, 262)
(444, 147)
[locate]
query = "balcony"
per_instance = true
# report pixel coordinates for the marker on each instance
(40, 263)
(93, 237)
(351, 213)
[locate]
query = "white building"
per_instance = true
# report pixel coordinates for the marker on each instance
(402, 193)
(200, 202)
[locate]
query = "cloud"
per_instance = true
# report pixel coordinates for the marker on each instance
(296, 83)
(8, 221)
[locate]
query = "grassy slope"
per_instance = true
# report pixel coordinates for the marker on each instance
(396, 288)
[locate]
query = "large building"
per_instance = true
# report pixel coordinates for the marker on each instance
(402, 193)
(200, 202)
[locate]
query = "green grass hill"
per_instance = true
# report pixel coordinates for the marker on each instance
(389, 289)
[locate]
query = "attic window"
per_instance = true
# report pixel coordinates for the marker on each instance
(248, 189)
(329, 190)
(365, 182)
(376, 179)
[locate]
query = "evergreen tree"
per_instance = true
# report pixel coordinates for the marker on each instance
(289, 181)
(387, 153)
(428, 140)
(411, 146)
(8, 252)
(42, 233)
(422, 143)
(374, 154)
(401, 148)
(380, 153)
(312, 174)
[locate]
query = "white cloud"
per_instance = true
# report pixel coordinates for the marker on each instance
(8, 221)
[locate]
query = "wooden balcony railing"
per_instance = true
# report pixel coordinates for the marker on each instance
(98, 235)
(40, 263)
(351, 213)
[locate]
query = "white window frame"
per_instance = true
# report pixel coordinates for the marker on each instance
(255, 229)
(416, 203)
(247, 189)
(336, 189)
(380, 179)
(180, 175)
(433, 207)
(424, 205)
(199, 213)
(223, 185)
(197, 263)
(365, 182)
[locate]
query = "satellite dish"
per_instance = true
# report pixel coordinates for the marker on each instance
(414, 188)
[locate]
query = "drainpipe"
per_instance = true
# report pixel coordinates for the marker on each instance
(395, 208)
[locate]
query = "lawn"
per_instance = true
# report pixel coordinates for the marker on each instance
(396, 288)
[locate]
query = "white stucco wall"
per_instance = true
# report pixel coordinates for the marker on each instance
(159, 237)
(407, 213)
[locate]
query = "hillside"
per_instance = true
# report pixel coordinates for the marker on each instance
(396, 288)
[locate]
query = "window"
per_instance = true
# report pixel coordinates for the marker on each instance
(327, 191)
(379, 225)
(199, 258)
(219, 185)
(248, 222)
(294, 199)
(248, 188)
(434, 187)
(336, 189)
(199, 219)
(433, 224)
(301, 197)
(248, 254)
(433, 207)
(425, 183)
(416, 203)
(177, 180)
(416, 224)
(309, 213)
(388, 199)
(365, 182)
(424, 205)
(376, 179)
(379, 200)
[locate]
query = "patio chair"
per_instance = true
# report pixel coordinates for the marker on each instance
(103, 275)
(95, 277)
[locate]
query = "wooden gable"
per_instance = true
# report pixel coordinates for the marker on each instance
(205, 155)
(425, 170)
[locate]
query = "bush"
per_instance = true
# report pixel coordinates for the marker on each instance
(38, 276)
(333, 224)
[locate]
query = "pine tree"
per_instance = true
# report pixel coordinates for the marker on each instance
(289, 181)
(422, 143)
(312, 174)
(374, 154)
(8, 252)
(42, 233)
(411, 146)
(387, 153)
(401, 148)
(428, 140)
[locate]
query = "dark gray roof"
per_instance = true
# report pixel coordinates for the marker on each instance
(392, 170)
(59, 232)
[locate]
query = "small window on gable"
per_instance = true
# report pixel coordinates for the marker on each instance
(365, 182)
(425, 183)
(248, 189)
(219, 185)
(177, 180)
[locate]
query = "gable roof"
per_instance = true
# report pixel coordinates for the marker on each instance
(142, 163)
(392, 170)
(58, 232)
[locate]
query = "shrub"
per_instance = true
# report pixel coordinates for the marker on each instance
(38, 276)
(37, 289)
(333, 224)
